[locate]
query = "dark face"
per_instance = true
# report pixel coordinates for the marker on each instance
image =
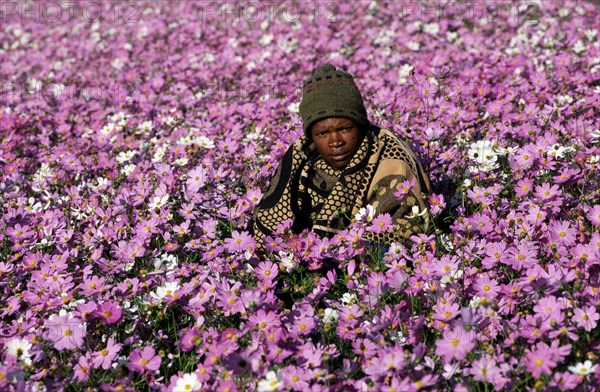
(337, 140)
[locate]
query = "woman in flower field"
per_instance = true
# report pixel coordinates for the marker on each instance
(344, 167)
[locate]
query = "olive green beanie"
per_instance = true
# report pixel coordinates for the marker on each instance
(331, 93)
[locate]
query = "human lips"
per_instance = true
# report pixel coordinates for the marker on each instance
(339, 157)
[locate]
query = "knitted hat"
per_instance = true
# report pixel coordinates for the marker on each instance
(331, 93)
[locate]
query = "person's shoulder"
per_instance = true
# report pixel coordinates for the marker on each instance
(390, 137)
(301, 148)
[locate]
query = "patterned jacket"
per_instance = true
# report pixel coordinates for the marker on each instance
(316, 196)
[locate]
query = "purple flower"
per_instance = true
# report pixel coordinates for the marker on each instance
(540, 362)
(455, 344)
(105, 357)
(109, 312)
(586, 317)
(144, 360)
(65, 331)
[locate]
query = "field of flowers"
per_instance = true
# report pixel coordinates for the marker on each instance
(136, 138)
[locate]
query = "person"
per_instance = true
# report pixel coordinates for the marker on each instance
(340, 165)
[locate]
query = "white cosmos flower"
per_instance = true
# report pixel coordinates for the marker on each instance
(431, 28)
(272, 382)
(349, 298)
(204, 142)
(454, 275)
(287, 260)
(181, 161)
(128, 169)
(590, 34)
(414, 46)
(125, 156)
(365, 214)
(158, 154)
(294, 107)
(330, 315)
(187, 383)
(579, 47)
(158, 201)
(404, 73)
(415, 212)
(475, 301)
(19, 348)
(583, 368)
(484, 155)
(169, 288)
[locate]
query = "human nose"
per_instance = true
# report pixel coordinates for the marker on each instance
(335, 140)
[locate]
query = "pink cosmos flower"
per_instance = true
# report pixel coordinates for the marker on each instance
(196, 179)
(264, 320)
(105, 357)
(436, 203)
(565, 381)
(144, 360)
(190, 339)
(404, 188)
(109, 312)
(65, 331)
(540, 362)
(93, 284)
(83, 367)
(524, 187)
(446, 311)
(381, 223)
(586, 317)
(455, 344)
(485, 369)
(486, 287)
(266, 270)
(240, 242)
(296, 378)
(593, 215)
(547, 192)
(562, 233)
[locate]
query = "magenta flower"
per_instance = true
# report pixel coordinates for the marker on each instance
(266, 270)
(296, 378)
(524, 187)
(196, 178)
(105, 357)
(436, 203)
(485, 369)
(381, 223)
(593, 215)
(455, 344)
(547, 191)
(404, 187)
(144, 360)
(540, 362)
(562, 233)
(109, 312)
(586, 317)
(65, 331)
(486, 287)
(190, 339)
(83, 367)
(240, 242)
(264, 320)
